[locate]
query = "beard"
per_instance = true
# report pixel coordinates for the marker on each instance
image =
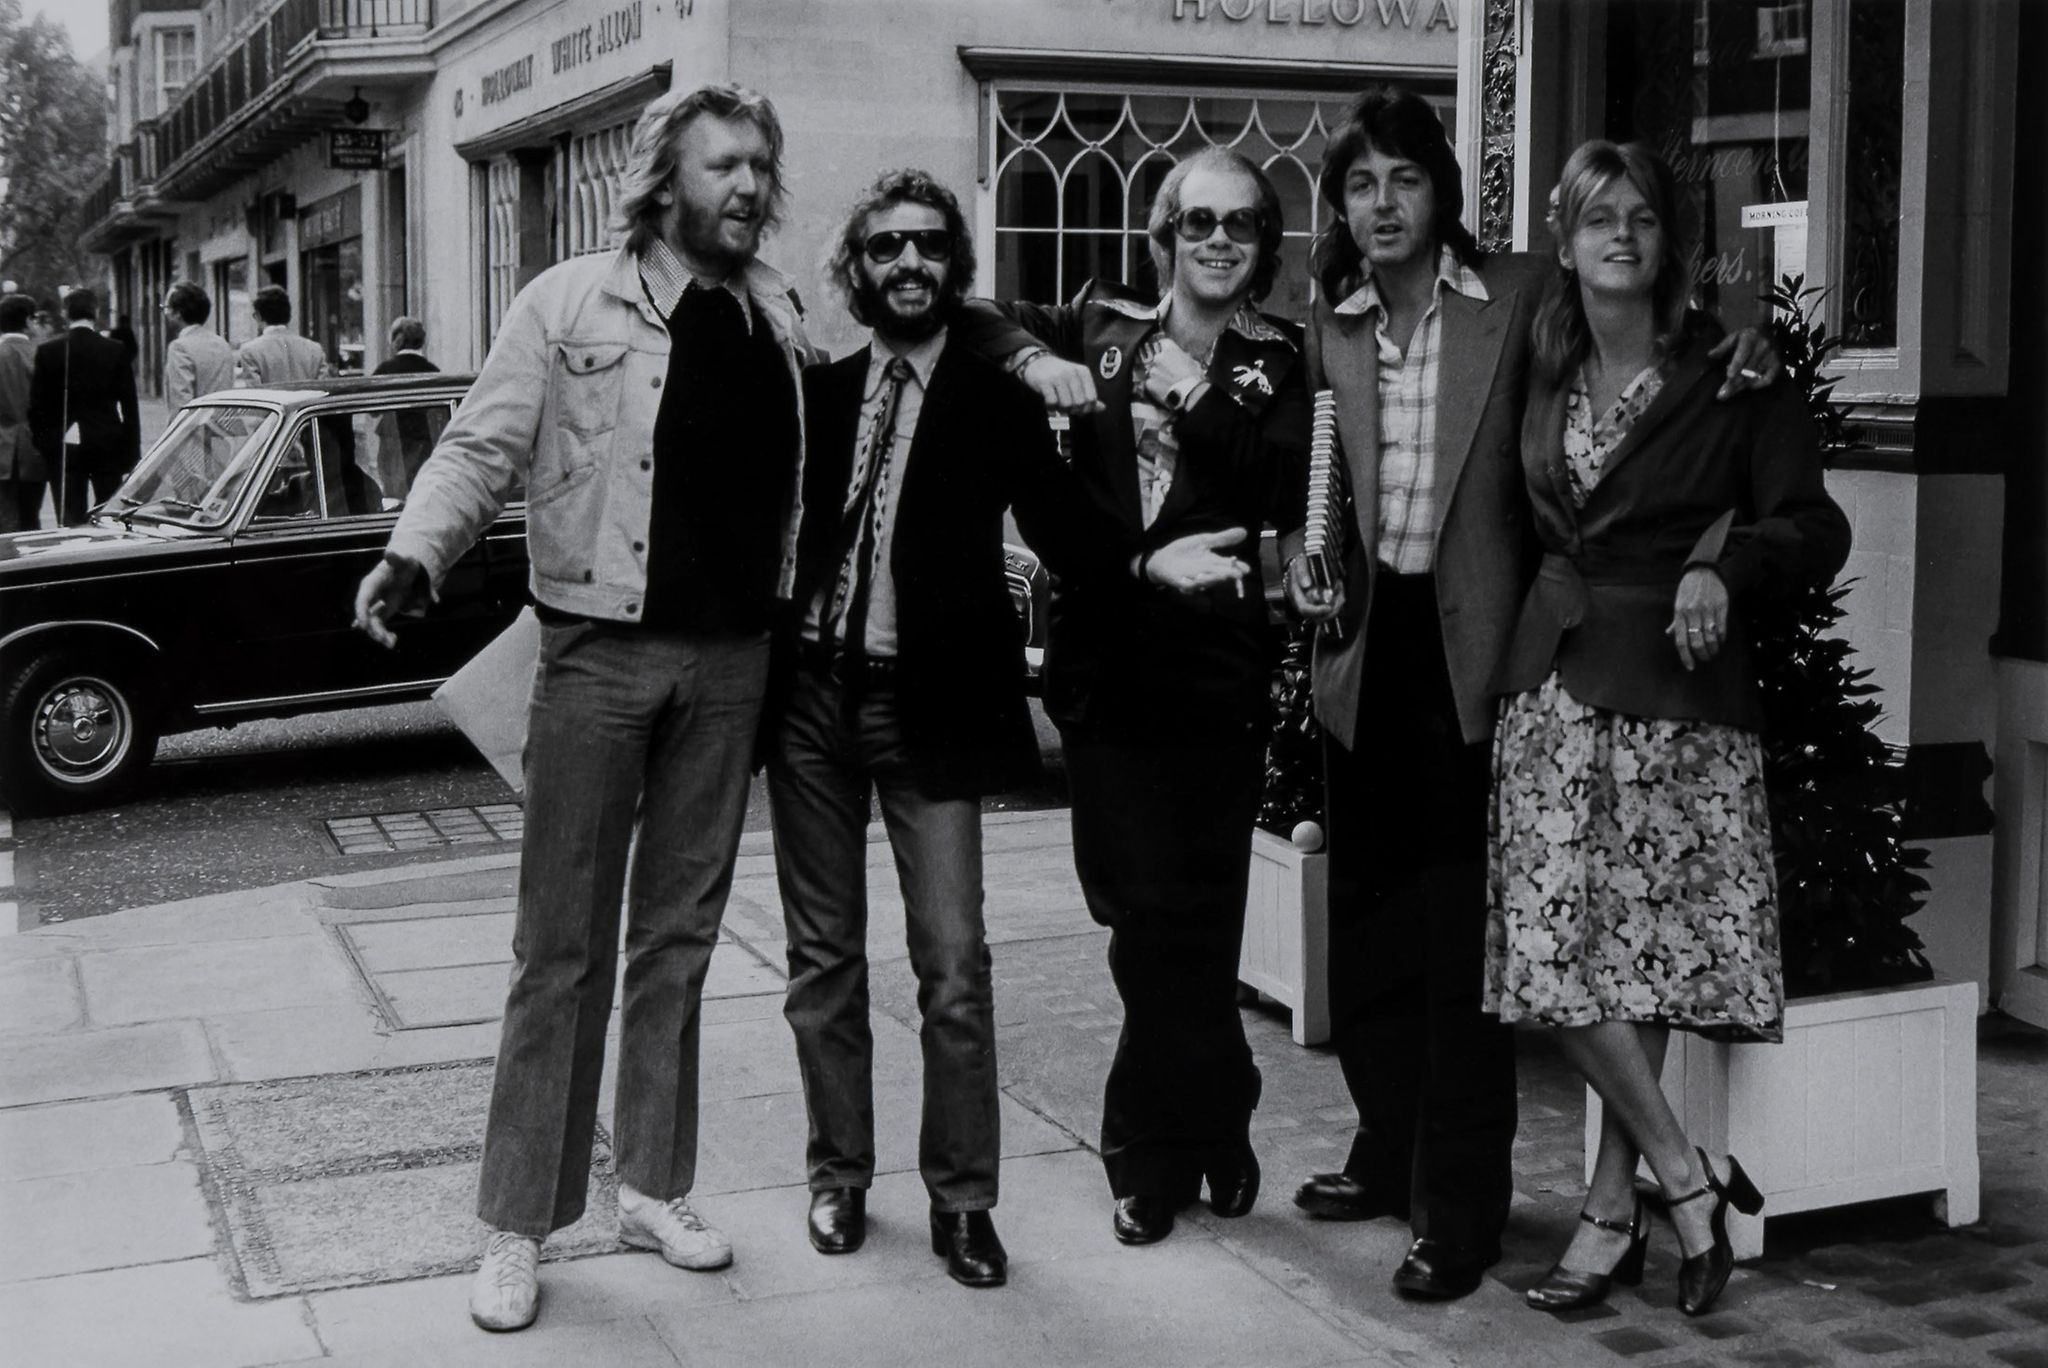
(871, 297)
(706, 234)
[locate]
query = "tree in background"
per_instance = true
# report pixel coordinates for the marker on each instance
(53, 139)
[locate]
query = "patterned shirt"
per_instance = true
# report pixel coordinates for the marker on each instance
(664, 276)
(880, 636)
(1408, 515)
(1587, 439)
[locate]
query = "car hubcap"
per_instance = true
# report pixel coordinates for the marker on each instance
(83, 730)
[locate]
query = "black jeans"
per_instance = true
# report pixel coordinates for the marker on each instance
(1162, 844)
(826, 758)
(1432, 1075)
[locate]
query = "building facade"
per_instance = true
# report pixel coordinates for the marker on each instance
(1866, 145)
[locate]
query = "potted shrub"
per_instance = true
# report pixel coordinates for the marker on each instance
(1874, 1091)
(1285, 952)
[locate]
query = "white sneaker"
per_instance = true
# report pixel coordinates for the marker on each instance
(684, 1238)
(506, 1293)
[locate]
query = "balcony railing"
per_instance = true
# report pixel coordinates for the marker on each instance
(374, 18)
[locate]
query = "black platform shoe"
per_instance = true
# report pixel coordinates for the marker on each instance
(1567, 1289)
(1701, 1277)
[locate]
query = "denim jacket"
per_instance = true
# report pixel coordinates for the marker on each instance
(565, 404)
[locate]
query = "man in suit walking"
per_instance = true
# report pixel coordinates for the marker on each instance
(1425, 342)
(199, 360)
(82, 411)
(408, 350)
(278, 354)
(904, 676)
(23, 476)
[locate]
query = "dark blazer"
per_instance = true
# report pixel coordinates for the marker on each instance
(101, 386)
(1735, 484)
(410, 363)
(1126, 660)
(981, 446)
(1483, 556)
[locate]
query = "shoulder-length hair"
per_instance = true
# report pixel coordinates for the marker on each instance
(1166, 205)
(906, 186)
(1559, 336)
(653, 166)
(1399, 123)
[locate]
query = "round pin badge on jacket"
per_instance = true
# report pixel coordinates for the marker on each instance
(1112, 362)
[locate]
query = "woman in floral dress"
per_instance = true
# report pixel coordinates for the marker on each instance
(1630, 883)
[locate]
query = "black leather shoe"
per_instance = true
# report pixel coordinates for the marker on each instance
(1340, 1197)
(967, 1240)
(1142, 1220)
(839, 1219)
(1436, 1270)
(1234, 1182)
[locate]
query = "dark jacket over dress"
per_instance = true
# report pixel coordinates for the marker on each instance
(1734, 484)
(1133, 660)
(981, 446)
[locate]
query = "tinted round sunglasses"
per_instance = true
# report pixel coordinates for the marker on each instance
(1196, 224)
(933, 244)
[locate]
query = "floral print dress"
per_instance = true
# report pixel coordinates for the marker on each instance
(1629, 872)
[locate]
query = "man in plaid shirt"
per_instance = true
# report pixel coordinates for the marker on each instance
(1424, 341)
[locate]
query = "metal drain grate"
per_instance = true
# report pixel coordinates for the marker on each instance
(379, 833)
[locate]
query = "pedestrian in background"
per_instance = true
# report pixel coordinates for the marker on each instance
(198, 360)
(408, 350)
(1630, 885)
(23, 474)
(278, 354)
(1159, 674)
(82, 411)
(648, 401)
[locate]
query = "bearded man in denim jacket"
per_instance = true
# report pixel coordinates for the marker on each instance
(650, 404)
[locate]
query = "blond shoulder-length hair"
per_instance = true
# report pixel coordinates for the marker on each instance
(1559, 336)
(653, 166)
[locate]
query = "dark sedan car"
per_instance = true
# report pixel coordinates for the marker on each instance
(217, 585)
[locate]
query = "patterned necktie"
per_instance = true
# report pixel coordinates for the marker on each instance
(862, 521)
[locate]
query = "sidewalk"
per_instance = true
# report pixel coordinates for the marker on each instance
(241, 1130)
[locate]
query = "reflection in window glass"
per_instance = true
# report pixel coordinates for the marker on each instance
(1720, 89)
(197, 468)
(1870, 265)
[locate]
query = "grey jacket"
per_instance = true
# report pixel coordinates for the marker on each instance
(278, 354)
(198, 361)
(565, 407)
(19, 458)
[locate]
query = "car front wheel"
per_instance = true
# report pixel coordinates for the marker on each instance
(77, 734)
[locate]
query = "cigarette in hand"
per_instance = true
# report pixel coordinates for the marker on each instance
(1238, 585)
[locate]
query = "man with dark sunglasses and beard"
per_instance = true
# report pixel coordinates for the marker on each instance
(901, 673)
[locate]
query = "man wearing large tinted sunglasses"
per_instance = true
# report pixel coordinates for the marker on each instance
(902, 675)
(1157, 674)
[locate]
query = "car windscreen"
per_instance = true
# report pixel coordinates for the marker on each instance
(196, 470)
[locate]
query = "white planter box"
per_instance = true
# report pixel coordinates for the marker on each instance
(1286, 947)
(1870, 1095)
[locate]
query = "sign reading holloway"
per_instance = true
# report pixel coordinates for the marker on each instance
(355, 149)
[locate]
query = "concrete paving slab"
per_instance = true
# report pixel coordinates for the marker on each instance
(125, 1059)
(428, 1313)
(1208, 1309)
(79, 1137)
(476, 992)
(295, 1041)
(110, 1218)
(162, 983)
(758, 1142)
(177, 1315)
(628, 1342)
(40, 995)
(432, 941)
(248, 915)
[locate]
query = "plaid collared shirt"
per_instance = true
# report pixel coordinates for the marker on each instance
(664, 277)
(1408, 515)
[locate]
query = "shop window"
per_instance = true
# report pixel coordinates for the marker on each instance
(1076, 170)
(234, 317)
(1877, 85)
(501, 239)
(1721, 90)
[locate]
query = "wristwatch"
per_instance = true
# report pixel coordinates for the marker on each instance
(1176, 397)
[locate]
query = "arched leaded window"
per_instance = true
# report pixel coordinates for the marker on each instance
(1075, 170)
